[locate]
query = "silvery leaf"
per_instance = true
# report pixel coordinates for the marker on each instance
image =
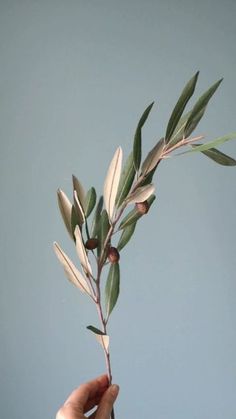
(141, 194)
(112, 182)
(104, 341)
(72, 273)
(82, 252)
(66, 209)
(77, 186)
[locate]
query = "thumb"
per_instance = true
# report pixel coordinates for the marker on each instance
(106, 403)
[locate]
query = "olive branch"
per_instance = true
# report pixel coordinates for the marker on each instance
(126, 186)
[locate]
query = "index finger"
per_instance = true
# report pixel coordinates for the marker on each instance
(85, 392)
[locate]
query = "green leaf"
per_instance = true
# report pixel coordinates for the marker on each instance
(178, 133)
(65, 207)
(126, 236)
(112, 288)
(148, 178)
(74, 221)
(95, 330)
(96, 218)
(134, 215)
(180, 106)
(130, 218)
(211, 144)
(126, 180)
(199, 109)
(137, 146)
(103, 229)
(153, 157)
(90, 201)
(218, 156)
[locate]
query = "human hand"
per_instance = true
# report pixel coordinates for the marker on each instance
(88, 395)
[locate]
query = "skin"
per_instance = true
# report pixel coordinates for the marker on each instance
(95, 393)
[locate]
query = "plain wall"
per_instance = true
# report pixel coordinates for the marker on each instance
(75, 77)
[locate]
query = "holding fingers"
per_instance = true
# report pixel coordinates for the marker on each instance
(94, 393)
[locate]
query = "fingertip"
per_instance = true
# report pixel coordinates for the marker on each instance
(114, 390)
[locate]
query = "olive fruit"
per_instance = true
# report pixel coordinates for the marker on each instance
(91, 244)
(113, 254)
(142, 207)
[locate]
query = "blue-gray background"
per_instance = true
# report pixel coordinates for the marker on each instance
(74, 79)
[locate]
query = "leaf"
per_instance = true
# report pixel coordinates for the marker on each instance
(96, 218)
(199, 109)
(104, 341)
(180, 106)
(72, 273)
(78, 209)
(74, 220)
(90, 202)
(153, 157)
(141, 194)
(126, 236)
(218, 156)
(137, 146)
(66, 209)
(103, 229)
(82, 252)
(211, 144)
(95, 330)
(178, 133)
(77, 186)
(126, 180)
(112, 288)
(134, 215)
(112, 182)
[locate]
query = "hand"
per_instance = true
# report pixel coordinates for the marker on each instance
(84, 398)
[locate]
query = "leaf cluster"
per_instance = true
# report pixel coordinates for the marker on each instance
(127, 185)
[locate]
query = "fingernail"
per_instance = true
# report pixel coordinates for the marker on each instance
(114, 389)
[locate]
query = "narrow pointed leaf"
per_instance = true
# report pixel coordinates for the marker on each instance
(126, 180)
(137, 146)
(153, 157)
(78, 209)
(180, 106)
(112, 182)
(211, 144)
(148, 178)
(218, 156)
(103, 229)
(95, 330)
(141, 194)
(104, 341)
(199, 109)
(96, 218)
(75, 221)
(178, 133)
(126, 236)
(82, 252)
(134, 215)
(65, 207)
(90, 202)
(77, 186)
(112, 288)
(72, 273)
